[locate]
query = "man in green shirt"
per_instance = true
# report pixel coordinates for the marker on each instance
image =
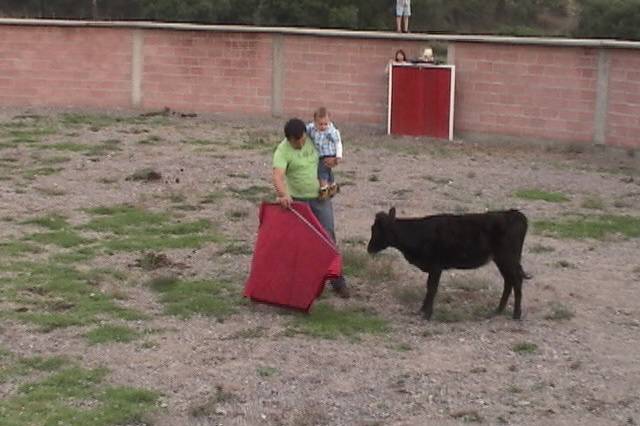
(295, 178)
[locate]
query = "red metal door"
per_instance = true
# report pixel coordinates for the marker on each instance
(421, 101)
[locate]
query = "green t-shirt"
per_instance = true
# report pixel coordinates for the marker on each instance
(301, 168)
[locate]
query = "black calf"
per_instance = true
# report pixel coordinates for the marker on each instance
(468, 241)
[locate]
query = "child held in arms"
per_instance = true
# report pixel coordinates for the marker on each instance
(326, 138)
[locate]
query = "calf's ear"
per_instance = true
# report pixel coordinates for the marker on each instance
(392, 213)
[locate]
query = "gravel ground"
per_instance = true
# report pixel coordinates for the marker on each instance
(586, 368)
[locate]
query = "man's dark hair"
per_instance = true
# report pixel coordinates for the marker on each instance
(294, 129)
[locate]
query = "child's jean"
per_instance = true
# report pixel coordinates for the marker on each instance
(324, 173)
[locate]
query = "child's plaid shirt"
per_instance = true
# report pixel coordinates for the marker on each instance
(328, 143)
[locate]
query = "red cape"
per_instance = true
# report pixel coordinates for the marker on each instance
(293, 258)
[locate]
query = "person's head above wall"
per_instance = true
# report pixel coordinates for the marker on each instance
(400, 56)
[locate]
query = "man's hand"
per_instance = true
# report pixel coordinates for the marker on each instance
(330, 162)
(284, 201)
(279, 184)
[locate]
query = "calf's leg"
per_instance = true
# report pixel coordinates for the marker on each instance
(510, 271)
(517, 291)
(432, 288)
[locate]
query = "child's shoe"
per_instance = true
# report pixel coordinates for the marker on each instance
(324, 193)
(334, 188)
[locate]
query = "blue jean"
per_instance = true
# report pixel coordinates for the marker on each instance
(323, 211)
(324, 172)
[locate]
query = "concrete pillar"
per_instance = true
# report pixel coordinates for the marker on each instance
(137, 68)
(451, 54)
(602, 98)
(277, 76)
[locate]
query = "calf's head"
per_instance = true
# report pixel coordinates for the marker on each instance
(381, 231)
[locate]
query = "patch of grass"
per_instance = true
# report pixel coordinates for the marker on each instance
(255, 142)
(66, 146)
(622, 204)
(238, 175)
(146, 175)
(597, 227)
(138, 229)
(76, 396)
(123, 219)
(564, 264)
(187, 298)
(76, 254)
(254, 193)
(150, 140)
(25, 366)
(53, 160)
(265, 371)
(467, 416)
(408, 296)
(53, 296)
(108, 180)
(249, 333)
(210, 407)
(537, 194)
(50, 192)
(199, 142)
(28, 134)
(593, 202)
(150, 261)
(111, 333)
(18, 248)
(41, 171)
(464, 300)
(373, 269)
(237, 249)
(212, 197)
(468, 283)
(236, 215)
(63, 237)
(54, 222)
(540, 248)
(559, 312)
(97, 150)
(438, 180)
(328, 322)
(525, 348)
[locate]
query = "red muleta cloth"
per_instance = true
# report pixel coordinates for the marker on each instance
(293, 258)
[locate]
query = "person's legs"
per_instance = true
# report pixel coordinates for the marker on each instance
(324, 176)
(405, 22)
(399, 24)
(323, 211)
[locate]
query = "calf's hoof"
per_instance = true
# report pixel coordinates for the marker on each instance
(425, 315)
(517, 315)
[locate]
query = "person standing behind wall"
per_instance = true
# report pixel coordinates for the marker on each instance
(403, 11)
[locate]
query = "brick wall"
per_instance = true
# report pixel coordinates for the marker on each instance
(529, 91)
(207, 71)
(623, 119)
(75, 67)
(549, 90)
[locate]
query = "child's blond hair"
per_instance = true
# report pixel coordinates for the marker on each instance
(321, 112)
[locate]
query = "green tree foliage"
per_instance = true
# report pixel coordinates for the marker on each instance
(610, 19)
(596, 18)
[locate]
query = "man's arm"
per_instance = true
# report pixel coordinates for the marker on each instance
(280, 185)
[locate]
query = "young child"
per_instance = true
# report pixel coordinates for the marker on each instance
(327, 141)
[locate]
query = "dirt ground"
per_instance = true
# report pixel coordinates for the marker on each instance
(585, 370)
